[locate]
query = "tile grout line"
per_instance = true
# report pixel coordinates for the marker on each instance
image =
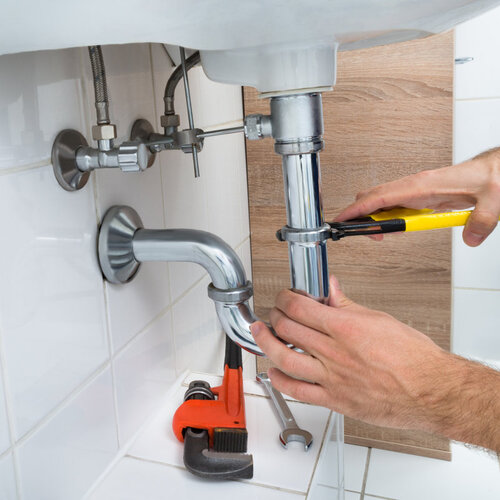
(9, 410)
(474, 99)
(476, 289)
(63, 404)
(105, 291)
(111, 354)
(164, 212)
(365, 474)
(23, 168)
(123, 451)
(328, 431)
(252, 483)
(379, 497)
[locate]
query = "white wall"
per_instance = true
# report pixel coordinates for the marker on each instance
(82, 362)
(476, 271)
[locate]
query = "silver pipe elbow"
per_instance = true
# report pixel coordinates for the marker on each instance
(123, 244)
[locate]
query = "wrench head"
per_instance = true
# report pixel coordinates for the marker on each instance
(299, 435)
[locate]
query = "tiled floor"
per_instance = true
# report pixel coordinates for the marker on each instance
(153, 467)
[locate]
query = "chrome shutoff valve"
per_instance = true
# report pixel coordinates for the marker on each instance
(133, 157)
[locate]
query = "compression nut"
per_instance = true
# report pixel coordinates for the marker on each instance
(104, 132)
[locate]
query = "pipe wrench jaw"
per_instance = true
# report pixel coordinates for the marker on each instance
(211, 423)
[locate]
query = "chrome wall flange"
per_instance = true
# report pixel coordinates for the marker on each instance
(66, 170)
(116, 253)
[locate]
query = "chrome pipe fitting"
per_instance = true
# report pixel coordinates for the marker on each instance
(297, 128)
(123, 244)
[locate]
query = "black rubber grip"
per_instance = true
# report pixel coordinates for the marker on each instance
(233, 354)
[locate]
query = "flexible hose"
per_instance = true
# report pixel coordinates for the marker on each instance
(100, 85)
(174, 79)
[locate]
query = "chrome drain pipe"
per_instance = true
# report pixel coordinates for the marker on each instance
(297, 127)
(123, 244)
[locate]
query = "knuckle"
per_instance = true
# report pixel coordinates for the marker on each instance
(482, 221)
(493, 184)
(299, 392)
(294, 308)
(362, 194)
(280, 324)
(288, 363)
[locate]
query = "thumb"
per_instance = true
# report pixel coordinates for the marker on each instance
(479, 225)
(337, 297)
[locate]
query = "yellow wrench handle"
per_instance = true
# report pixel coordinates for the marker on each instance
(421, 220)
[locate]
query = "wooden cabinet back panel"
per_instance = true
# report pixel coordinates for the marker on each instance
(389, 115)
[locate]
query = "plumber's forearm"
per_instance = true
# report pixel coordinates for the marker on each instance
(464, 404)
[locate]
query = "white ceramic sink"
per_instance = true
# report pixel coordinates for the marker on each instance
(274, 45)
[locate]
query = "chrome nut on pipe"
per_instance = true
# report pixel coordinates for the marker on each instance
(105, 132)
(258, 127)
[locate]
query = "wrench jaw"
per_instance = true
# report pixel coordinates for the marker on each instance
(299, 435)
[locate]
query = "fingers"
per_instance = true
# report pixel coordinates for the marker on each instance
(313, 314)
(298, 389)
(337, 297)
(480, 224)
(299, 335)
(294, 363)
(402, 192)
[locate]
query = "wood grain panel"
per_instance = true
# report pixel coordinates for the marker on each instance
(389, 115)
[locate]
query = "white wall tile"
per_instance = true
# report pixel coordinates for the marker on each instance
(8, 489)
(475, 128)
(52, 306)
(214, 103)
(130, 86)
(51, 302)
(476, 324)
(480, 39)
(133, 305)
(199, 339)
(185, 207)
(249, 365)
(354, 466)
(63, 458)
(245, 254)
(132, 479)
(321, 492)
(472, 473)
(143, 373)
(224, 165)
(4, 427)
(41, 94)
(477, 267)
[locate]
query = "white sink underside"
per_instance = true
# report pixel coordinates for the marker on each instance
(263, 32)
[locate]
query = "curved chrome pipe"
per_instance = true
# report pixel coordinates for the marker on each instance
(191, 245)
(123, 244)
(173, 81)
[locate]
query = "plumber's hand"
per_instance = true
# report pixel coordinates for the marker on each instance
(472, 183)
(362, 363)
